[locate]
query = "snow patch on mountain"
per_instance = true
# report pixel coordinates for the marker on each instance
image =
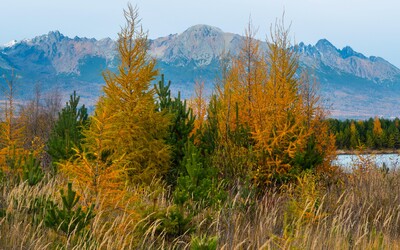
(10, 43)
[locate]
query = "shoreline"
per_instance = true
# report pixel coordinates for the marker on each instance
(368, 151)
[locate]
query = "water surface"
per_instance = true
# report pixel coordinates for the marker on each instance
(350, 161)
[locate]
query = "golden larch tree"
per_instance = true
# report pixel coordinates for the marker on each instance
(279, 124)
(199, 106)
(239, 85)
(137, 127)
(377, 130)
(282, 112)
(11, 131)
(95, 169)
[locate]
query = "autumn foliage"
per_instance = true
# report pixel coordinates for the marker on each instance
(12, 151)
(124, 143)
(261, 94)
(93, 167)
(199, 105)
(137, 129)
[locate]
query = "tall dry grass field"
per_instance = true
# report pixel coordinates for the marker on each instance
(360, 211)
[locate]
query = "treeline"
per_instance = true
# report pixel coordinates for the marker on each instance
(374, 133)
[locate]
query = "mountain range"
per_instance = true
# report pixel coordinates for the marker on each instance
(354, 86)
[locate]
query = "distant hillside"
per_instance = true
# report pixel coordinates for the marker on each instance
(355, 85)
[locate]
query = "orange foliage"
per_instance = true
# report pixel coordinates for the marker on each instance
(138, 129)
(11, 132)
(94, 169)
(280, 117)
(377, 127)
(240, 85)
(199, 106)
(282, 112)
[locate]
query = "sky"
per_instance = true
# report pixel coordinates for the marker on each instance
(368, 26)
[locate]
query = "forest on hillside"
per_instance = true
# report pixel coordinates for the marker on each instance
(249, 167)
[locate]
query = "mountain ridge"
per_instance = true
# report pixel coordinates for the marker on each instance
(195, 54)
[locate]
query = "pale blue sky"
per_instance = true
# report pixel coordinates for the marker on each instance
(369, 26)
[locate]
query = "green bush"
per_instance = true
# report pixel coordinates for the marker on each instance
(68, 219)
(204, 243)
(31, 170)
(67, 132)
(182, 124)
(172, 221)
(197, 186)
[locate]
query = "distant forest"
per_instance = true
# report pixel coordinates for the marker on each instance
(374, 133)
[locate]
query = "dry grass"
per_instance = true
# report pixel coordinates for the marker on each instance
(360, 212)
(363, 212)
(110, 229)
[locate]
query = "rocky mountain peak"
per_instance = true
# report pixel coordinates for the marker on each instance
(51, 38)
(324, 45)
(199, 45)
(348, 52)
(55, 35)
(60, 53)
(202, 30)
(324, 55)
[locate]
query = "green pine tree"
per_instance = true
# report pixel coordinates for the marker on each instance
(68, 218)
(197, 184)
(182, 124)
(67, 132)
(32, 172)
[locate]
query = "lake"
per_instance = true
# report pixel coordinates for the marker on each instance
(350, 161)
